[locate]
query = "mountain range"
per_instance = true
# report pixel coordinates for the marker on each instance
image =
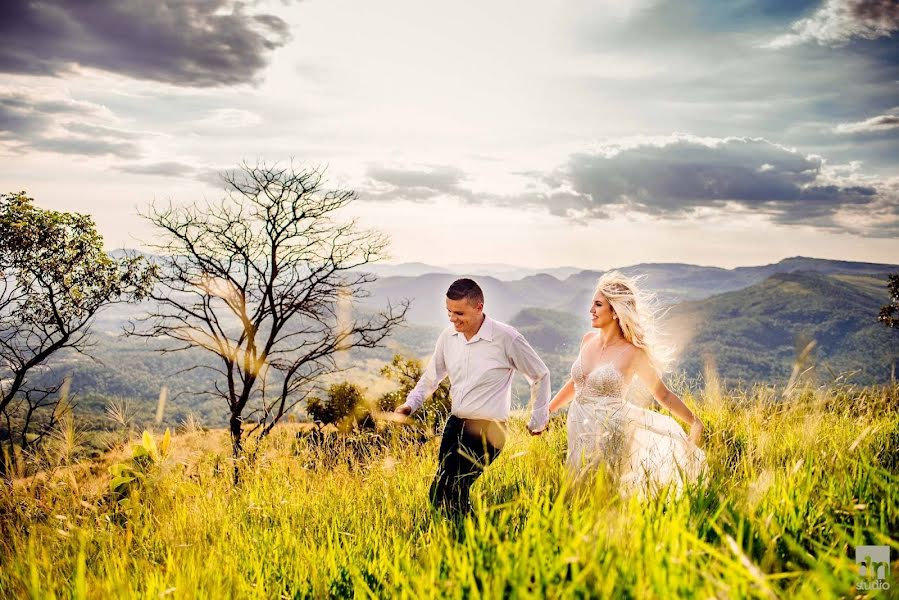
(757, 333)
(498, 270)
(671, 282)
(750, 323)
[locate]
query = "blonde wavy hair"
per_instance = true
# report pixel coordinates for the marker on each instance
(637, 313)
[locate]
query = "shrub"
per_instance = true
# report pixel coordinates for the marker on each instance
(344, 406)
(406, 372)
(146, 458)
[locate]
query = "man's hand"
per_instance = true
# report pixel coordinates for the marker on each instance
(404, 410)
(537, 432)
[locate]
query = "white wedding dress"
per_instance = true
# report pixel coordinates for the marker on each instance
(642, 449)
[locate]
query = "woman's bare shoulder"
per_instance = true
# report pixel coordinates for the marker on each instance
(637, 354)
(633, 357)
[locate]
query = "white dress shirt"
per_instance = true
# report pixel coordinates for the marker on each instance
(480, 372)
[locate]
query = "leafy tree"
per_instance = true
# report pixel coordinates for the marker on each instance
(406, 372)
(889, 314)
(54, 278)
(265, 281)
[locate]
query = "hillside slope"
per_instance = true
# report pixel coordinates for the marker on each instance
(754, 333)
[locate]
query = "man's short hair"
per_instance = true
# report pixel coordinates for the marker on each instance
(465, 289)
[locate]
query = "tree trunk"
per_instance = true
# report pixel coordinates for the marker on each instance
(236, 446)
(8, 457)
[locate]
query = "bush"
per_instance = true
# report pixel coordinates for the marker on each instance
(138, 472)
(407, 372)
(345, 406)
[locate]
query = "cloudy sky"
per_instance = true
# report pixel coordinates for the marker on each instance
(585, 133)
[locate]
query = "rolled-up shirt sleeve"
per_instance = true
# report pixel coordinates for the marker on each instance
(526, 362)
(433, 374)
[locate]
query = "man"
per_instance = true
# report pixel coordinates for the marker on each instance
(480, 356)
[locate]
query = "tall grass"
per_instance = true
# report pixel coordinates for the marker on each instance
(793, 486)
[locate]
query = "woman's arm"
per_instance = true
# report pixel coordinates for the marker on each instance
(562, 397)
(669, 399)
(566, 394)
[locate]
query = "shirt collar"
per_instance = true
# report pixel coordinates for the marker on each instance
(484, 333)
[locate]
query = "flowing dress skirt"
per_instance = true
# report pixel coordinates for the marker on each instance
(642, 449)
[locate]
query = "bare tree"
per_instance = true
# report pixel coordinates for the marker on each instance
(263, 280)
(54, 278)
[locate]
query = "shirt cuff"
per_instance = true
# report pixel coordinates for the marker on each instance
(539, 421)
(413, 403)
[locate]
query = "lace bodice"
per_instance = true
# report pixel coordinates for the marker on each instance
(604, 382)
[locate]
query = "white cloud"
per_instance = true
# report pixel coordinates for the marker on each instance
(839, 21)
(49, 120)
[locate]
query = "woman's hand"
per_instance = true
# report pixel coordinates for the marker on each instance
(696, 430)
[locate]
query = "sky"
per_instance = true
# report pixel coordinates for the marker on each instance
(541, 134)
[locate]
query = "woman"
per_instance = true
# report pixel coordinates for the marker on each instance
(640, 447)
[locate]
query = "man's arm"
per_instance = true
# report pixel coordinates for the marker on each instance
(433, 374)
(526, 362)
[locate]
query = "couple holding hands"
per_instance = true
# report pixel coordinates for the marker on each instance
(640, 447)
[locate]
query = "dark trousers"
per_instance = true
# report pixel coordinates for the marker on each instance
(464, 452)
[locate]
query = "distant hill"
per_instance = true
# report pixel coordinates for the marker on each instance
(550, 331)
(498, 270)
(509, 272)
(672, 282)
(504, 298)
(132, 368)
(562, 288)
(753, 334)
(414, 269)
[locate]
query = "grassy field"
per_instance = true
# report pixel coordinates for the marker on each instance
(794, 485)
